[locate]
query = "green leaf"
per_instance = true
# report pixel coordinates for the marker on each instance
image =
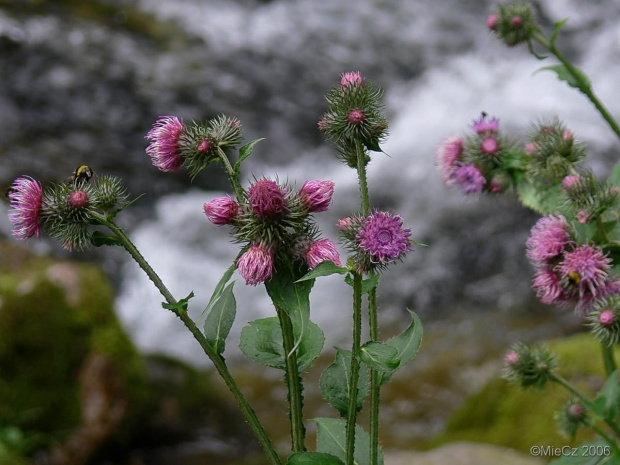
(368, 284)
(98, 239)
(614, 176)
(220, 319)
(324, 268)
(217, 292)
(581, 81)
(180, 305)
(381, 357)
(545, 199)
(313, 458)
(261, 341)
(584, 454)
(335, 383)
(331, 439)
(406, 344)
(609, 396)
(245, 152)
(558, 25)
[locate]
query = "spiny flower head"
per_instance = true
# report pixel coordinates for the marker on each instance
(572, 415)
(586, 270)
(382, 238)
(78, 199)
(222, 210)
(25, 196)
(604, 320)
(514, 23)
(164, 148)
(570, 181)
(351, 79)
(548, 287)
(447, 158)
(316, 195)
(256, 265)
(548, 238)
(319, 251)
(266, 198)
(589, 196)
(529, 367)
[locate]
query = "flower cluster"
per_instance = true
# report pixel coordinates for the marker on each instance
(476, 163)
(566, 272)
(528, 367)
(174, 144)
(355, 116)
(376, 240)
(513, 23)
(67, 211)
(275, 224)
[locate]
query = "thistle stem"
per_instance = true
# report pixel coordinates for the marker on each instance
(609, 359)
(232, 176)
(602, 434)
(293, 382)
(361, 174)
(375, 387)
(583, 84)
(355, 368)
(217, 359)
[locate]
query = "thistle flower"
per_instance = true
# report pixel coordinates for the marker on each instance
(78, 199)
(469, 179)
(222, 210)
(383, 238)
(266, 198)
(489, 146)
(514, 23)
(491, 21)
(548, 288)
(320, 251)
(256, 264)
(447, 158)
(316, 195)
(530, 367)
(570, 181)
(25, 196)
(604, 320)
(548, 238)
(164, 148)
(571, 416)
(585, 269)
(351, 79)
(484, 126)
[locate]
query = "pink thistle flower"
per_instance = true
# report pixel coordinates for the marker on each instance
(447, 157)
(606, 318)
(350, 79)
(322, 124)
(492, 21)
(548, 238)
(222, 210)
(25, 196)
(344, 224)
(320, 251)
(316, 195)
(512, 358)
(205, 145)
(587, 269)
(484, 125)
(383, 237)
(356, 117)
(256, 264)
(567, 135)
(576, 411)
(489, 146)
(547, 286)
(266, 198)
(570, 181)
(78, 199)
(530, 148)
(469, 179)
(164, 137)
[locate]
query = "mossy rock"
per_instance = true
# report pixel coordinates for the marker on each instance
(506, 415)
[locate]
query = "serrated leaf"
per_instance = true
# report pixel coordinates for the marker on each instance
(245, 152)
(261, 341)
(331, 439)
(581, 81)
(324, 268)
(379, 356)
(217, 292)
(220, 319)
(368, 284)
(99, 239)
(180, 305)
(541, 198)
(313, 458)
(335, 383)
(406, 344)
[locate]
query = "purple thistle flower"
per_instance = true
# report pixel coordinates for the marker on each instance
(266, 198)
(484, 126)
(447, 157)
(547, 286)
(316, 195)
(469, 179)
(548, 238)
(256, 264)
(350, 79)
(222, 210)
(319, 251)
(587, 269)
(489, 146)
(25, 196)
(78, 199)
(383, 238)
(164, 137)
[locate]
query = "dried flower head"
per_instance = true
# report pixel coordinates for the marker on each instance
(25, 196)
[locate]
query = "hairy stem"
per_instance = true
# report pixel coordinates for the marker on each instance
(217, 359)
(375, 387)
(609, 359)
(232, 176)
(355, 368)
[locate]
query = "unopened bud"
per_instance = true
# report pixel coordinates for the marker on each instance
(78, 199)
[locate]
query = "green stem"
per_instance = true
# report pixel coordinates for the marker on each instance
(609, 359)
(600, 229)
(602, 434)
(218, 361)
(232, 176)
(586, 402)
(375, 387)
(355, 368)
(584, 85)
(361, 174)
(293, 381)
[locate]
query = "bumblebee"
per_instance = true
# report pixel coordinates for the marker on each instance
(82, 174)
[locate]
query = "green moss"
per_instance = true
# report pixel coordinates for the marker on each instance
(506, 415)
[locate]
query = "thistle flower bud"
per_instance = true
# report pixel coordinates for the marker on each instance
(351, 79)
(572, 415)
(78, 199)
(222, 210)
(108, 193)
(266, 198)
(529, 367)
(316, 195)
(256, 264)
(570, 181)
(489, 146)
(164, 148)
(530, 148)
(25, 197)
(604, 320)
(513, 23)
(583, 217)
(469, 179)
(356, 117)
(447, 158)
(486, 126)
(320, 251)
(491, 21)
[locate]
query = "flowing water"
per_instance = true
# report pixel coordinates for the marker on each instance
(83, 82)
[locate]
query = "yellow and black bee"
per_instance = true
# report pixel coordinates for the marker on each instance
(82, 174)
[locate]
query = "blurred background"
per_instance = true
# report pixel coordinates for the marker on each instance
(84, 80)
